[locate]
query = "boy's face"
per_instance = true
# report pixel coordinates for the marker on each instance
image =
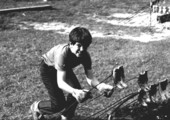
(77, 49)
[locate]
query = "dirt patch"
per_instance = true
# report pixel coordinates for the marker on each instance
(161, 31)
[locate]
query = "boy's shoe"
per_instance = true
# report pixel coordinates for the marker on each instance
(35, 111)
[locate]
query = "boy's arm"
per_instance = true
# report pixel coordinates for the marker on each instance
(79, 94)
(61, 81)
(92, 81)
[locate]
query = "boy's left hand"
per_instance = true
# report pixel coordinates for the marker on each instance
(107, 89)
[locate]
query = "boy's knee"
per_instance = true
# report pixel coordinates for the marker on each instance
(57, 108)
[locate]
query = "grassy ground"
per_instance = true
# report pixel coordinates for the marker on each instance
(21, 50)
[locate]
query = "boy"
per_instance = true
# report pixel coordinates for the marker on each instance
(57, 76)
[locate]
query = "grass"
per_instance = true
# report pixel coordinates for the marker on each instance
(21, 50)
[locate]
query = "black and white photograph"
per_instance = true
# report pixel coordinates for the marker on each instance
(84, 59)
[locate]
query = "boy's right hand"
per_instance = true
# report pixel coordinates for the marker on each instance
(81, 95)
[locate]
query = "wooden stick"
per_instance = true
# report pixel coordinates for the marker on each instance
(26, 8)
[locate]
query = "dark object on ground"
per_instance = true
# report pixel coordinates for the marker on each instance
(163, 18)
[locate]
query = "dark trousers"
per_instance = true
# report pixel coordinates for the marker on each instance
(57, 101)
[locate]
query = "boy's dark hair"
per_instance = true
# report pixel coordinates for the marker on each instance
(81, 35)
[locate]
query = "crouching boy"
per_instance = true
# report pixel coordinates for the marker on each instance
(57, 75)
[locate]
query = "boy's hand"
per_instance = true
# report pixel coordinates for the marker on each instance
(81, 95)
(108, 93)
(107, 89)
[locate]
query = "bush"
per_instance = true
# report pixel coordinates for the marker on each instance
(6, 22)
